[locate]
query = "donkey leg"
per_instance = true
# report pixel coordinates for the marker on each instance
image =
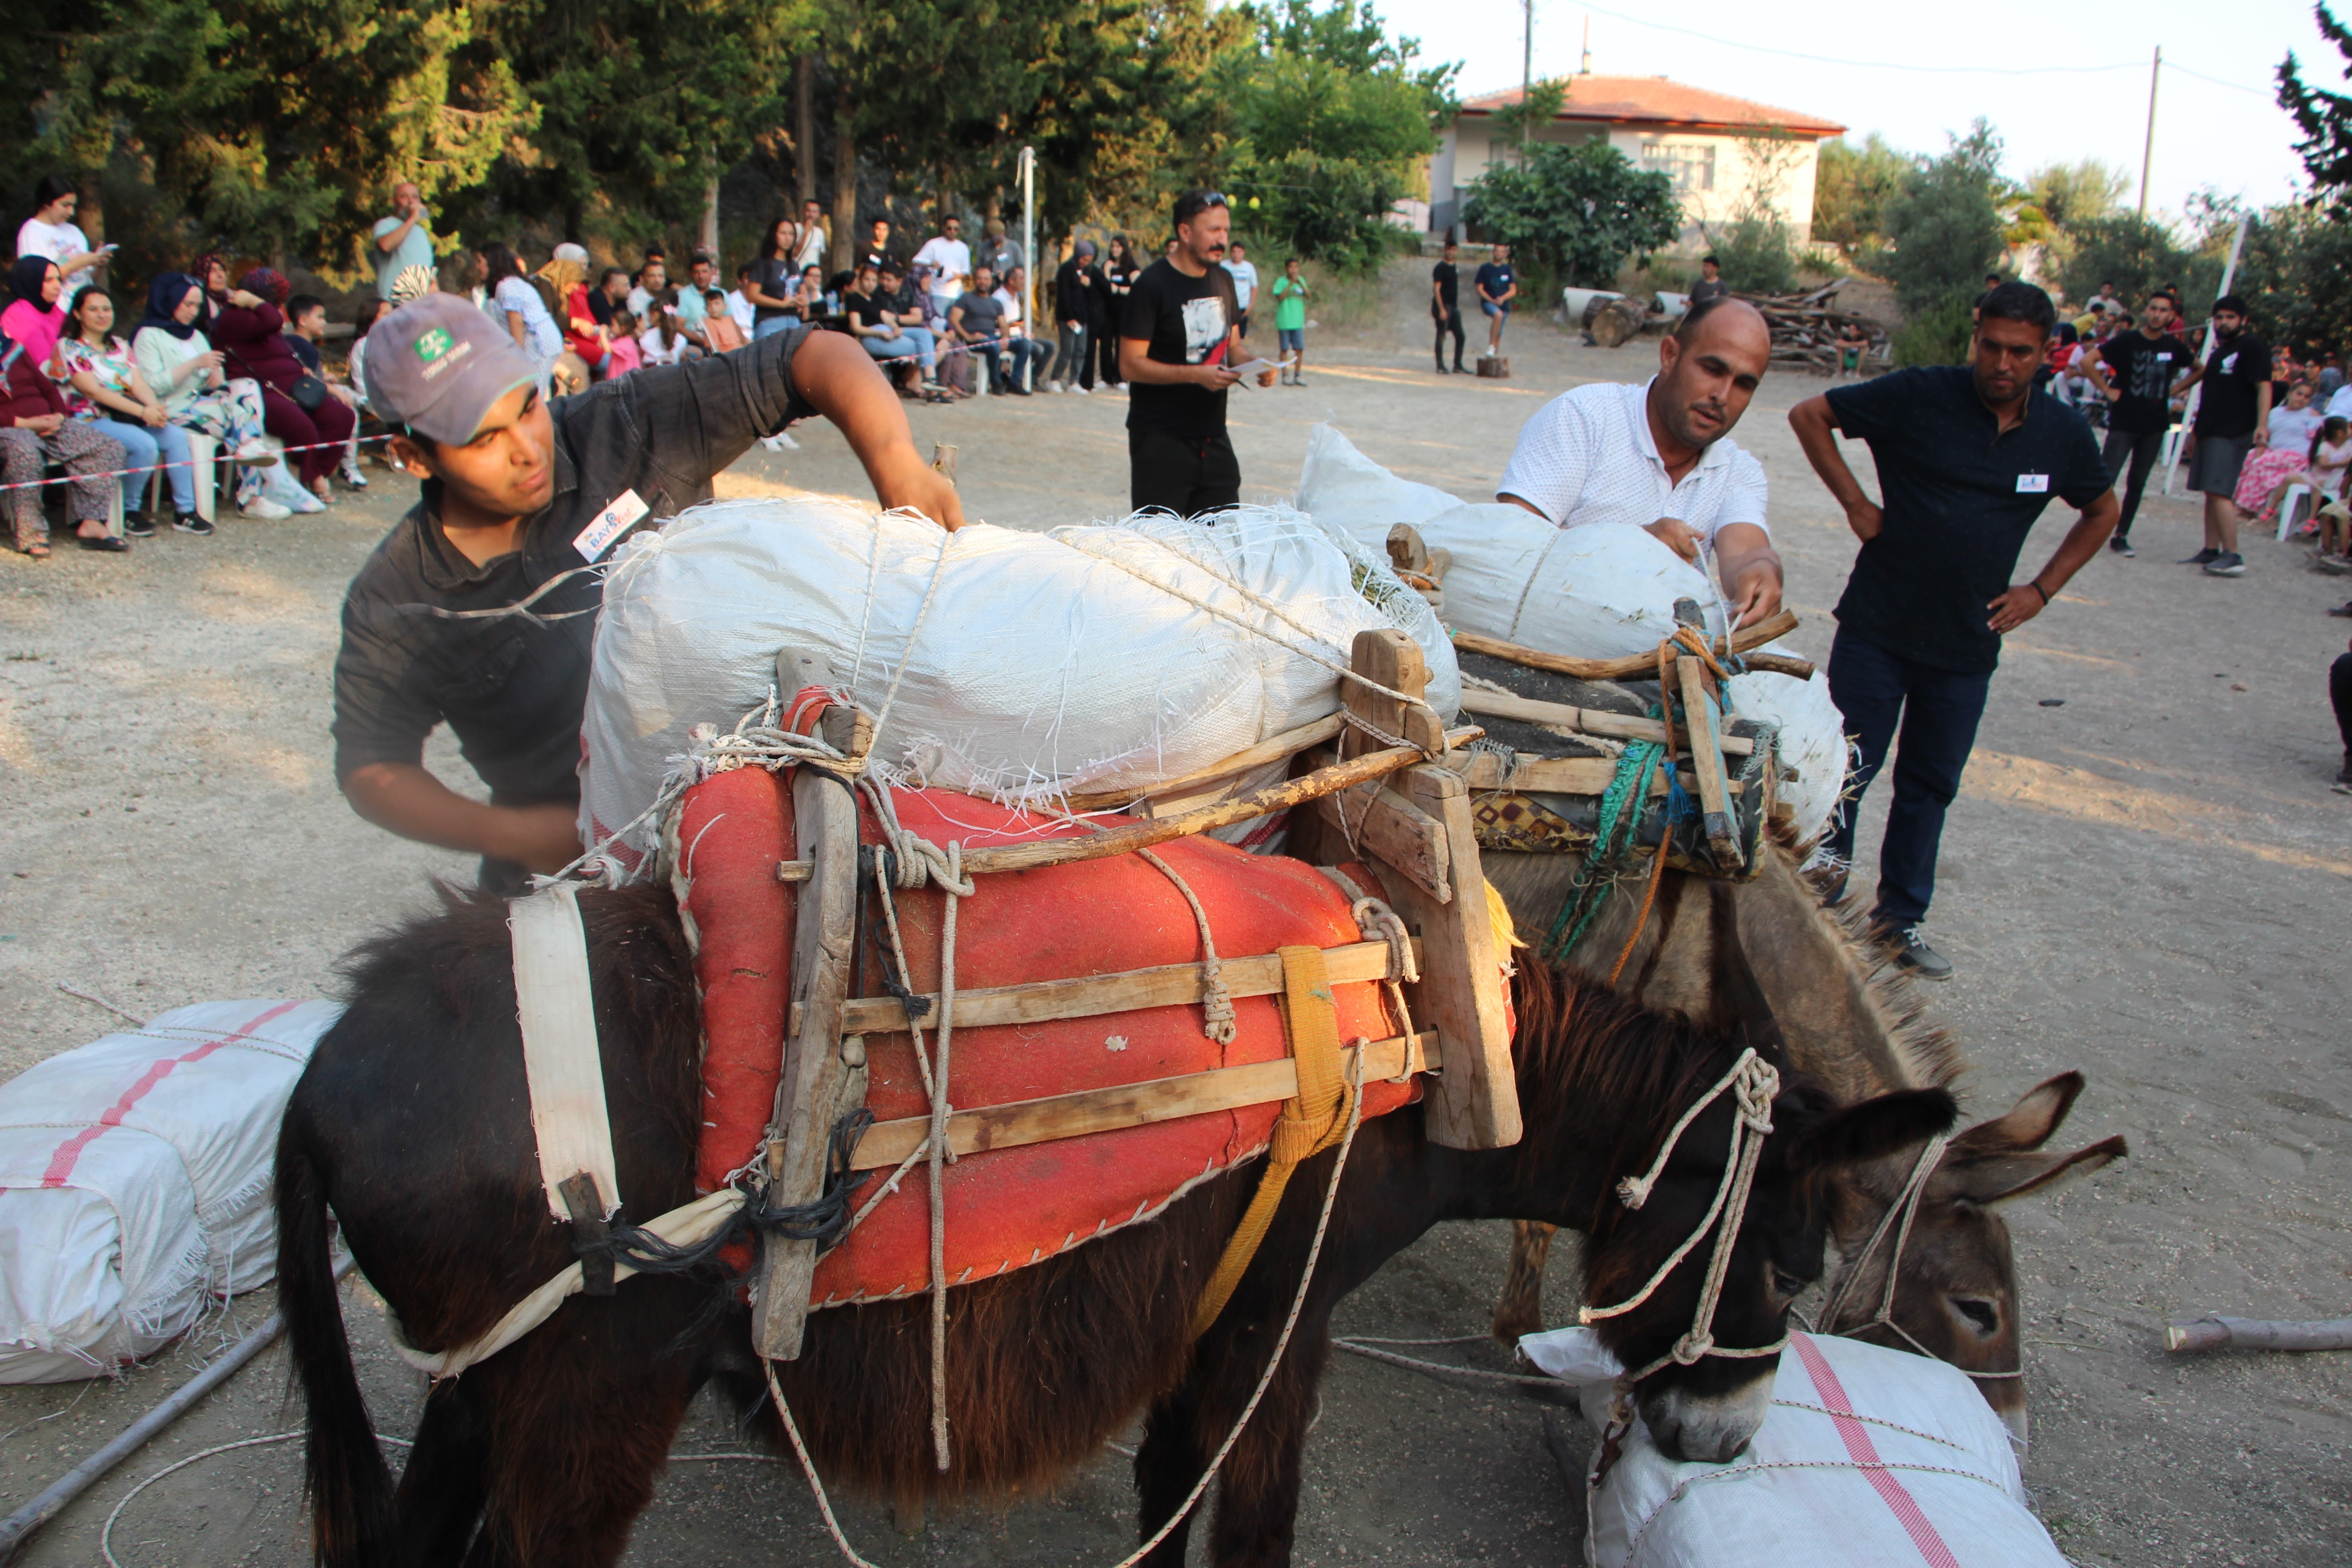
(1257, 1489)
(444, 1483)
(1167, 1463)
(580, 1423)
(1519, 1309)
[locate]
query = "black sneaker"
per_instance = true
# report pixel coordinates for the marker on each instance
(1913, 955)
(2205, 557)
(2121, 545)
(192, 522)
(2226, 563)
(138, 525)
(2344, 776)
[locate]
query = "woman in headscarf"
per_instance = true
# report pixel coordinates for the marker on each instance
(105, 391)
(317, 434)
(183, 368)
(35, 317)
(35, 429)
(566, 276)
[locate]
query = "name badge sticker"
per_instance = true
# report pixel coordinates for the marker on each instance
(2027, 485)
(621, 516)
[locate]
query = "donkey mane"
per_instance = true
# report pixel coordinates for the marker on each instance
(1930, 1054)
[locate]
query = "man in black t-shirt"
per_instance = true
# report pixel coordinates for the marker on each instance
(2136, 372)
(1446, 305)
(1968, 456)
(1710, 284)
(1177, 342)
(2233, 418)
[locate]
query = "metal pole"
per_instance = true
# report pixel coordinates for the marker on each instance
(2148, 147)
(2188, 413)
(1029, 248)
(1527, 79)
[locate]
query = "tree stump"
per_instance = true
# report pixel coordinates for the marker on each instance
(1496, 367)
(1617, 323)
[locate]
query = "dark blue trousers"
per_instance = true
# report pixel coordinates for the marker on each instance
(1936, 711)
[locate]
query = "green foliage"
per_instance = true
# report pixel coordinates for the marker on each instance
(2136, 255)
(2078, 193)
(2296, 271)
(1578, 209)
(1516, 123)
(1938, 335)
(1852, 187)
(1757, 254)
(2324, 117)
(1330, 121)
(1944, 227)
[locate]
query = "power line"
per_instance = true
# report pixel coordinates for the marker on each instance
(1901, 66)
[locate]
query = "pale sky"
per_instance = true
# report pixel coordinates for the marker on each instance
(2207, 134)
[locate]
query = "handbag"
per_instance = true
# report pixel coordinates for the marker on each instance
(308, 392)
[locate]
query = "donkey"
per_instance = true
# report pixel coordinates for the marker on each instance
(1854, 1023)
(411, 1127)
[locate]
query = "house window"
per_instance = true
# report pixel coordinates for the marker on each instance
(1689, 164)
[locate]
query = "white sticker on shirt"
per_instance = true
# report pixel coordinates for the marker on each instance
(609, 525)
(2032, 484)
(1204, 327)
(2229, 364)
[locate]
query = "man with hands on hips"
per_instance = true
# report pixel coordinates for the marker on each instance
(1656, 455)
(1969, 456)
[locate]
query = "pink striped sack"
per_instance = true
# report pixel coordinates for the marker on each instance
(1870, 1458)
(136, 1179)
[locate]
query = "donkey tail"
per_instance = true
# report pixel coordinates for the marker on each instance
(349, 1485)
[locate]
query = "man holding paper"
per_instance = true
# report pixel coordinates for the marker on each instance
(1179, 348)
(478, 609)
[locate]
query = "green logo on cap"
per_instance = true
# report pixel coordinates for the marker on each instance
(432, 345)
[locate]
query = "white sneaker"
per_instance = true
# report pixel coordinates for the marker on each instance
(351, 475)
(262, 506)
(1083, 391)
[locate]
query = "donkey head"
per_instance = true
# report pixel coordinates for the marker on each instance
(1954, 1292)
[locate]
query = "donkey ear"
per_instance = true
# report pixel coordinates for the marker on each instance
(2004, 1177)
(2026, 1125)
(1874, 1128)
(1740, 1006)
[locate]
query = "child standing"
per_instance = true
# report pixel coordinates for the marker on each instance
(1290, 322)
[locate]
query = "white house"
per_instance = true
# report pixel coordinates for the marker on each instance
(1717, 149)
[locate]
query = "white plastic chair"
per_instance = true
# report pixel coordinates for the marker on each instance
(206, 451)
(2286, 508)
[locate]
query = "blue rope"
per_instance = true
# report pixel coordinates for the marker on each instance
(1611, 841)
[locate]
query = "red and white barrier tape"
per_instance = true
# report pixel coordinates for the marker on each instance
(70, 477)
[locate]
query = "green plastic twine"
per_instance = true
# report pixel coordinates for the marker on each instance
(1612, 842)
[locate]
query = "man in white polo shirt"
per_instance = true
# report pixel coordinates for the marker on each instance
(1654, 456)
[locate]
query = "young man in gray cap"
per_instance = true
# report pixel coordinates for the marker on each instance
(520, 498)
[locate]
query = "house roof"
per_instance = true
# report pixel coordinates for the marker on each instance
(1655, 101)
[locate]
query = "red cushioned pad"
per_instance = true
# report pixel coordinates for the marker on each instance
(1008, 1208)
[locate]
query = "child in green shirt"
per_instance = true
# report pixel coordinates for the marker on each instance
(1290, 321)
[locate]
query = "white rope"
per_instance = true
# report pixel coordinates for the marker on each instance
(1217, 1021)
(941, 1111)
(1208, 1474)
(922, 612)
(1366, 1348)
(1752, 1083)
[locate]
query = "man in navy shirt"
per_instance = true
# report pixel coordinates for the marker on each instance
(1967, 458)
(1497, 284)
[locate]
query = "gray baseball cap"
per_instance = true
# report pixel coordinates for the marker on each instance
(438, 365)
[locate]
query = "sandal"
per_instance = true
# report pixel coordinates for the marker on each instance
(111, 544)
(38, 549)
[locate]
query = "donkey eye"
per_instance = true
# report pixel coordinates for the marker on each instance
(1787, 1284)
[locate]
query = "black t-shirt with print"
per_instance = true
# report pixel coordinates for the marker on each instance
(2143, 369)
(1448, 279)
(1187, 320)
(772, 276)
(2234, 376)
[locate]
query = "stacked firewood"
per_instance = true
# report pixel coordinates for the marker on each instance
(1805, 328)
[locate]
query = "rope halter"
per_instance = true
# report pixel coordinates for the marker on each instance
(1753, 1084)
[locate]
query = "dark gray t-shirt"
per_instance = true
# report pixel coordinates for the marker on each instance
(983, 314)
(513, 688)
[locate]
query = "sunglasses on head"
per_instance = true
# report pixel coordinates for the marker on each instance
(1194, 205)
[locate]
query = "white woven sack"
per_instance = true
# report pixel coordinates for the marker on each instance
(1881, 1459)
(135, 1181)
(1603, 591)
(1020, 665)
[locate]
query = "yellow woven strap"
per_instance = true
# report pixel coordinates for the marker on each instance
(1311, 1123)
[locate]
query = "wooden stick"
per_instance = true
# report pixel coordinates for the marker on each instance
(1271, 750)
(1633, 664)
(1166, 985)
(1560, 776)
(1586, 720)
(1129, 837)
(2214, 1333)
(1706, 761)
(1025, 1121)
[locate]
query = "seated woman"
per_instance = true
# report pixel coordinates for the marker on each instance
(316, 430)
(34, 317)
(583, 334)
(2269, 469)
(35, 429)
(515, 305)
(873, 324)
(106, 392)
(184, 371)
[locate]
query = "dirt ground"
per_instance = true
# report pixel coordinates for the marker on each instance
(2148, 882)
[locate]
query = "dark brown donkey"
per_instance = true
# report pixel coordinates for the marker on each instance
(411, 1126)
(1853, 1023)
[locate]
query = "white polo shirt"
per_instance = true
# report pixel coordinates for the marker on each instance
(1587, 457)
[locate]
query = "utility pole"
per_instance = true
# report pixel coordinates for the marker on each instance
(1585, 67)
(1527, 78)
(2148, 148)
